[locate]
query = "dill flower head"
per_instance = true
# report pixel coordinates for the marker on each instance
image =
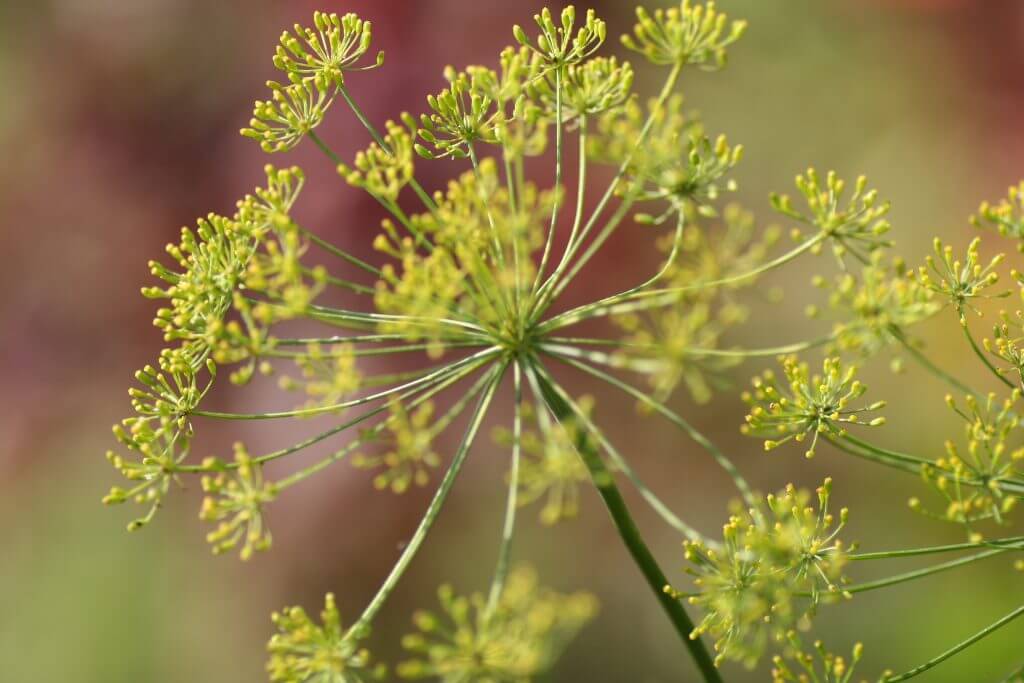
(562, 45)
(690, 34)
(593, 87)
(1007, 217)
(160, 433)
(750, 586)
(302, 651)
(324, 53)
(463, 115)
(235, 500)
(959, 282)
(515, 640)
(874, 309)
(292, 111)
(1007, 342)
(327, 376)
(968, 478)
(853, 225)
(811, 405)
(383, 169)
(800, 666)
(410, 457)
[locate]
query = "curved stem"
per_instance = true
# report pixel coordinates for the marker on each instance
(310, 412)
(732, 279)
(359, 114)
(361, 626)
(641, 554)
(547, 291)
(666, 91)
(959, 647)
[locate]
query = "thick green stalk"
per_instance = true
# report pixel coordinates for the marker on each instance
(634, 542)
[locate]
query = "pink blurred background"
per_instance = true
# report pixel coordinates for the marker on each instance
(120, 123)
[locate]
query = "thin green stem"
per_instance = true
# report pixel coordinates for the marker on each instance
(374, 431)
(512, 503)
(361, 626)
(913, 464)
(666, 91)
(413, 183)
(927, 571)
(630, 534)
(595, 245)
(322, 410)
(581, 313)
(558, 182)
(376, 351)
(958, 648)
(581, 191)
(340, 253)
(1016, 541)
(723, 461)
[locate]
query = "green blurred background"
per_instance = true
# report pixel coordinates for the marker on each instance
(119, 123)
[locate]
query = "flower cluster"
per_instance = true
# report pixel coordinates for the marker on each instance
(690, 34)
(770, 558)
(314, 60)
(853, 225)
(1007, 217)
(512, 641)
(384, 169)
(876, 308)
(811, 405)
(410, 457)
(301, 651)
(324, 53)
(235, 501)
(958, 281)
(327, 376)
(969, 478)
(560, 46)
(210, 320)
(820, 667)
(1007, 343)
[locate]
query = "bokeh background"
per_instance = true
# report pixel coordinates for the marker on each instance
(119, 123)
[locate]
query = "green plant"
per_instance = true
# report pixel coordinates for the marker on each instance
(471, 281)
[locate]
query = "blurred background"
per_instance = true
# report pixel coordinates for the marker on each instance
(119, 123)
